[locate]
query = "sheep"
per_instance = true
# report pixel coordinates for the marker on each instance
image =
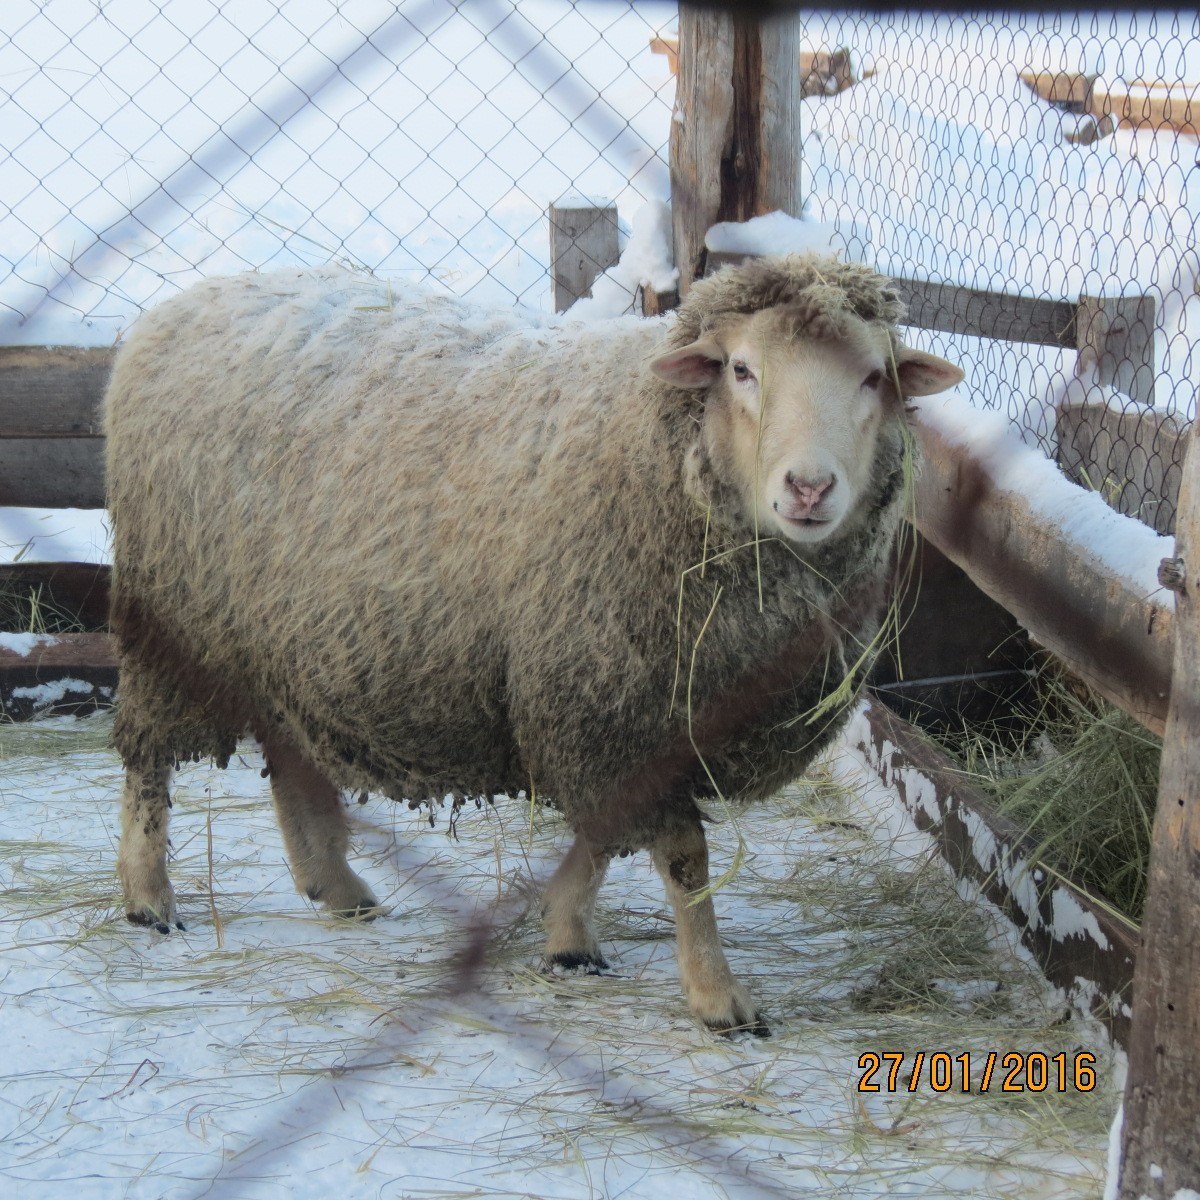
(428, 550)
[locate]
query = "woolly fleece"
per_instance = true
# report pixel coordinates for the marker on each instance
(440, 548)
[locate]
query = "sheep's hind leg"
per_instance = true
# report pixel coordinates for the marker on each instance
(313, 822)
(568, 908)
(713, 995)
(142, 858)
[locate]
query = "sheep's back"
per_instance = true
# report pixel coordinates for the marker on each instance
(334, 499)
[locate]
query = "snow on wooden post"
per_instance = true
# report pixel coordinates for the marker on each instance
(1115, 334)
(1160, 1139)
(1126, 453)
(735, 135)
(583, 245)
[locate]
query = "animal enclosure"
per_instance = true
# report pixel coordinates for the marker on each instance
(1031, 183)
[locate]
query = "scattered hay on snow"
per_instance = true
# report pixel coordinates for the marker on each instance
(307, 1055)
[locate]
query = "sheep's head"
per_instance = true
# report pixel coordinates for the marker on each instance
(797, 398)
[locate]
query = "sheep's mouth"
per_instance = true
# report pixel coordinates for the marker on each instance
(809, 529)
(807, 522)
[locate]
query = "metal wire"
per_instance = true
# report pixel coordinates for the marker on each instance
(937, 160)
(146, 145)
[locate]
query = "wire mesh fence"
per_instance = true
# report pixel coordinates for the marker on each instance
(150, 144)
(1045, 156)
(1041, 155)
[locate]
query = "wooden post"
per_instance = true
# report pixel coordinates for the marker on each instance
(1116, 335)
(735, 135)
(583, 245)
(654, 303)
(1124, 455)
(1160, 1139)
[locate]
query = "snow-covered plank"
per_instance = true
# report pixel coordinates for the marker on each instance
(1081, 948)
(1079, 576)
(69, 672)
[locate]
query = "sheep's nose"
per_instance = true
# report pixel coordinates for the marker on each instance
(808, 493)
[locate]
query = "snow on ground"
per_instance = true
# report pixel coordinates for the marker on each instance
(151, 147)
(54, 535)
(270, 1051)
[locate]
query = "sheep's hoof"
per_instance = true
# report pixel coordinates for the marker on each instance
(349, 899)
(366, 909)
(729, 1012)
(582, 962)
(152, 907)
(148, 919)
(754, 1025)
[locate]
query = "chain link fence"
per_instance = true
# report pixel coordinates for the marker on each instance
(149, 144)
(1050, 156)
(1045, 156)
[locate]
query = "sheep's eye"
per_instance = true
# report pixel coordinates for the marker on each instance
(741, 372)
(873, 380)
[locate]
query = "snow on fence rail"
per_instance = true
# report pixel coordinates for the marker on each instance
(426, 139)
(866, 146)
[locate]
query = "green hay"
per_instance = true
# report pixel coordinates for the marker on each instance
(1081, 779)
(29, 610)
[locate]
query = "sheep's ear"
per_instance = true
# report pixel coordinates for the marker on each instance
(694, 366)
(924, 374)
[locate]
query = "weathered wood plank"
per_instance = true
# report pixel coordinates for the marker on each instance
(1095, 969)
(1160, 1136)
(1133, 459)
(71, 672)
(735, 141)
(1107, 630)
(79, 590)
(583, 245)
(52, 390)
(62, 472)
(950, 308)
(1154, 106)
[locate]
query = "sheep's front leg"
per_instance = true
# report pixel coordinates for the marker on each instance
(313, 823)
(142, 858)
(713, 995)
(568, 907)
